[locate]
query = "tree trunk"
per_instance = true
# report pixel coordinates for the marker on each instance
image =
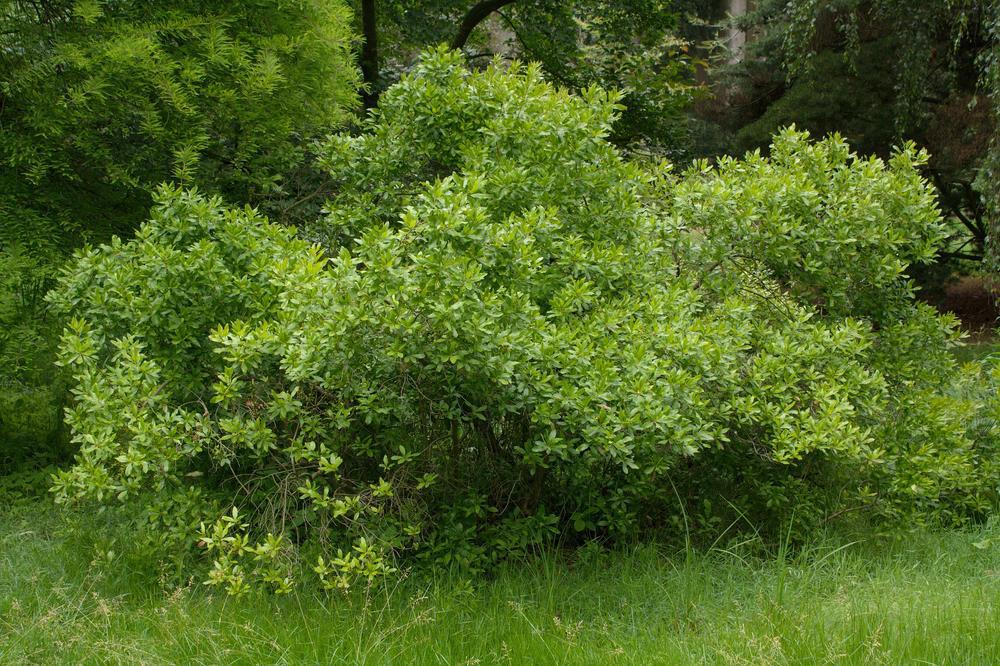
(737, 38)
(369, 54)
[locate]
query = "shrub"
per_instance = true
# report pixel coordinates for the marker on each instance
(504, 331)
(838, 233)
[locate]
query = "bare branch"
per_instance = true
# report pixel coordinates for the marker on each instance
(476, 15)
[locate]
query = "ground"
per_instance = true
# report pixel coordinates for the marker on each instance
(923, 597)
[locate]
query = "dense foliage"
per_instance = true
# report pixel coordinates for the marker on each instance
(503, 331)
(102, 101)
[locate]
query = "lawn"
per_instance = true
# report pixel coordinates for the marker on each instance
(977, 349)
(930, 597)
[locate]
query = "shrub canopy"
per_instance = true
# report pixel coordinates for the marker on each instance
(502, 331)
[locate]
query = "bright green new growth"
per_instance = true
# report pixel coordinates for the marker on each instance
(506, 332)
(134, 93)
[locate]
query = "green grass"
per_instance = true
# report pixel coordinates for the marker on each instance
(930, 598)
(977, 350)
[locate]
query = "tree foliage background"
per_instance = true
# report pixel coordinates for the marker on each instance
(101, 101)
(879, 72)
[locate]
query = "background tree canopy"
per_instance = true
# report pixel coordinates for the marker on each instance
(129, 94)
(101, 101)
